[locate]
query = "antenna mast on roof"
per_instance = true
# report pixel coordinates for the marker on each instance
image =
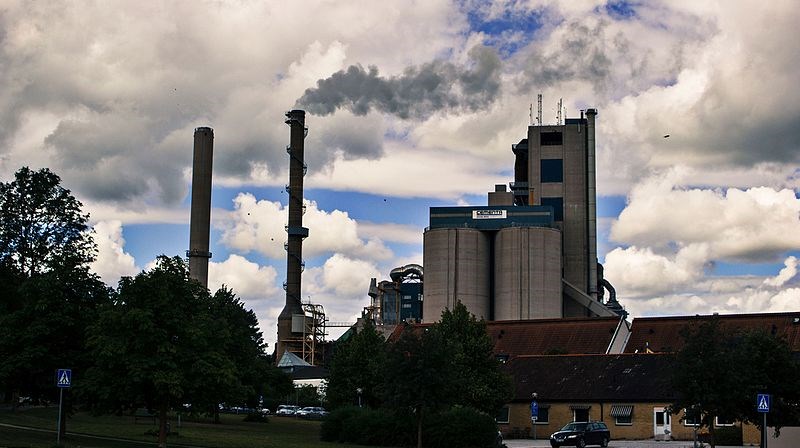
(539, 109)
(530, 114)
(560, 105)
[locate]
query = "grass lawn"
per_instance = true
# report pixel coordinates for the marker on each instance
(283, 432)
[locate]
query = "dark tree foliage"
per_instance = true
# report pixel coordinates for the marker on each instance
(475, 378)
(450, 364)
(42, 225)
(49, 297)
(154, 346)
(243, 374)
(417, 375)
(357, 364)
(719, 373)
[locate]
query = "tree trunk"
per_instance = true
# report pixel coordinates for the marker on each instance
(419, 426)
(215, 412)
(162, 425)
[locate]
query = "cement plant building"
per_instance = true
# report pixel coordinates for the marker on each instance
(532, 252)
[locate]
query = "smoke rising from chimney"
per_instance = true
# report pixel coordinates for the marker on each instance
(417, 93)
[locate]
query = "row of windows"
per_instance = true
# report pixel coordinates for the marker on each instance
(582, 415)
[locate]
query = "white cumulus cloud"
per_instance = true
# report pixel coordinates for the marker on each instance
(787, 273)
(112, 261)
(247, 279)
(259, 225)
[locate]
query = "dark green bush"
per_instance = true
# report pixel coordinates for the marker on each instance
(458, 427)
(369, 427)
(461, 427)
(331, 430)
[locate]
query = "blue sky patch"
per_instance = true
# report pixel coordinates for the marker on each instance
(621, 9)
(509, 32)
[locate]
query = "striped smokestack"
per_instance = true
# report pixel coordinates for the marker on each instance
(295, 230)
(198, 253)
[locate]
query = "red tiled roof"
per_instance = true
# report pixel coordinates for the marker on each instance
(553, 336)
(546, 336)
(663, 334)
(594, 378)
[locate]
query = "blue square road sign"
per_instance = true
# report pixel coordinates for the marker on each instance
(64, 378)
(763, 402)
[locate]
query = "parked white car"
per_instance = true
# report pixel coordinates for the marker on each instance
(286, 409)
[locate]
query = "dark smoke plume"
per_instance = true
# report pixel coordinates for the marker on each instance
(417, 93)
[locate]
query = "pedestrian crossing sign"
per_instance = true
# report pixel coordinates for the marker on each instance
(64, 378)
(762, 402)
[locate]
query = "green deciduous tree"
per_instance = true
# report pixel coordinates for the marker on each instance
(719, 372)
(49, 297)
(43, 228)
(243, 373)
(475, 377)
(417, 374)
(449, 364)
(154, 345)
(358, 363)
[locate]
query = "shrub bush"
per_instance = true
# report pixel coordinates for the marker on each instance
(331, 430)
(458, 427)
(462, 427)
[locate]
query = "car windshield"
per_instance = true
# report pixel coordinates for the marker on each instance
(574, 426)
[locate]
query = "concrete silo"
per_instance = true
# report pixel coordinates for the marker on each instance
(461, 271)
(527, 273)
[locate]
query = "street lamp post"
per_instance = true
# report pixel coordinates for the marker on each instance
(359, 391)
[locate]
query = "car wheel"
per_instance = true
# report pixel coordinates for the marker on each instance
(581, 443)
(604, 442)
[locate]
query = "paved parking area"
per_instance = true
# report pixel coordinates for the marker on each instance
(527, 443)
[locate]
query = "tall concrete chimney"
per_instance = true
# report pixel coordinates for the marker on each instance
(198, 253)
(295, 230)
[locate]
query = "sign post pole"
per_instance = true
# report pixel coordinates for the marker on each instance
(763, 402)
(63, 381)
(534, 415)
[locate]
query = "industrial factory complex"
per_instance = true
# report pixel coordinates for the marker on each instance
(526, 262)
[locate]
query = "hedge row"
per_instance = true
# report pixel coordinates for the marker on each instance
(462, 427)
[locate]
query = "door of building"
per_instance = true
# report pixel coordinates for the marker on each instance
(662, 428)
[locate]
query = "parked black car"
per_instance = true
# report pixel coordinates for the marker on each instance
(581, 434)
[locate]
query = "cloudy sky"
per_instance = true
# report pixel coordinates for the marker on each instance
(412, 105)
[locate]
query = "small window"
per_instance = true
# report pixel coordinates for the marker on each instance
(502, 416)
(558, 207)
(623, 414)
(580, 415)
(552, 170)
(544, 415)
(551, 138)
(623, 420)
(690, 418)
(723, 421)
